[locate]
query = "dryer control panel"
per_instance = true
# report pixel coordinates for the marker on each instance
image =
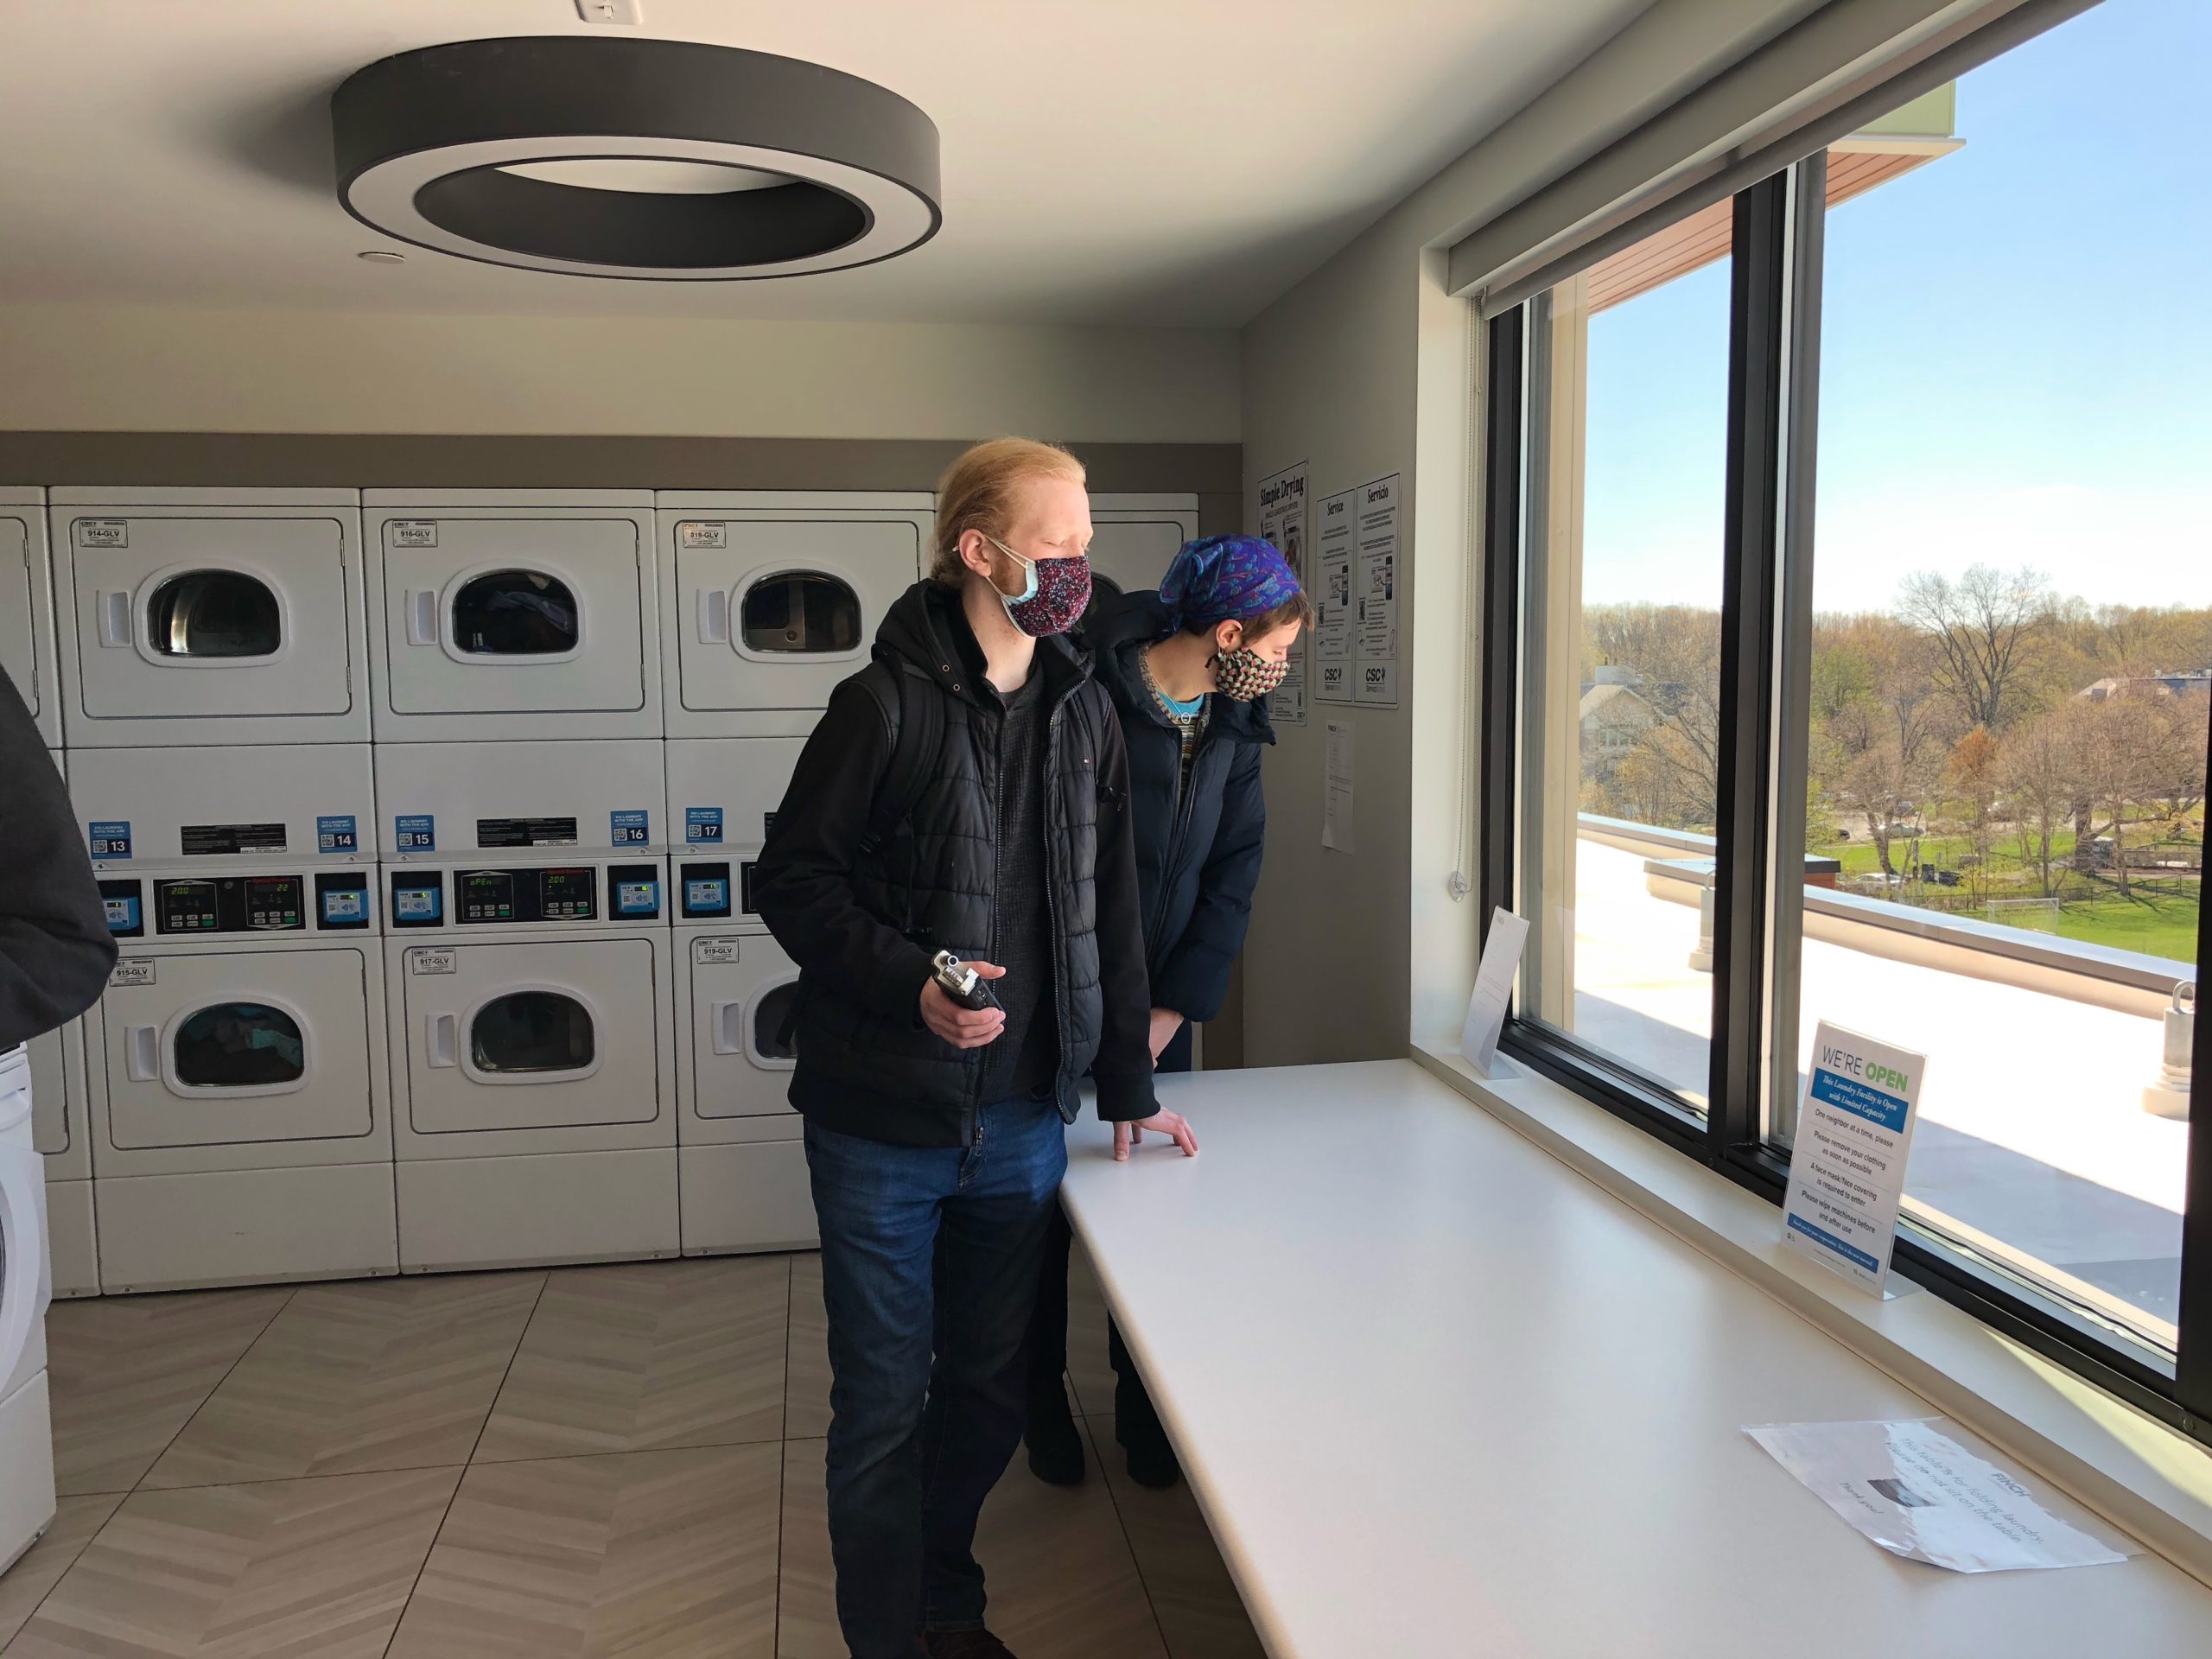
(191, 906)
(526, 896)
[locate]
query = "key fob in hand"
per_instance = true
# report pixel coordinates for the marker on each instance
(963, 983)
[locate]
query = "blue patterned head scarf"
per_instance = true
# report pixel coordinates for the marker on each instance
(1225, 578)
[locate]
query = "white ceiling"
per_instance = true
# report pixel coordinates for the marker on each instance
(1169, 162)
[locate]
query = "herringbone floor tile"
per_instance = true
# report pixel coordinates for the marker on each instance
(127, 1372)
(289, 1567)
(648, 1356)
(806, 1399)
(26, 1583)
(646, 1554)
(1200, 1612)
(372, 1373)
(1063, 1582)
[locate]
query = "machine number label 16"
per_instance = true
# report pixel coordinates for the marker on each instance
(632, 828)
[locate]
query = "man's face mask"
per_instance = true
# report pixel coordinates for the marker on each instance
(1242, 674)
(1057, 593)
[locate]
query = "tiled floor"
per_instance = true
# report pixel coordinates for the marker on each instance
(556, 1466)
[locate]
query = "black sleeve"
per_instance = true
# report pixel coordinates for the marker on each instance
(1124, 1068)
(803, 884)
(55, 950)
(1195, 977)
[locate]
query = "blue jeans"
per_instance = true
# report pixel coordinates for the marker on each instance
(929, 1269)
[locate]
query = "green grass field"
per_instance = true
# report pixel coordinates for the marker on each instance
(2165, 925)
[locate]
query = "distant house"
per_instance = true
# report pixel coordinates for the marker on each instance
(2189, 683)
(1614, 715)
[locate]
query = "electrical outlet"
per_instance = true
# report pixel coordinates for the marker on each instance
(608, 12)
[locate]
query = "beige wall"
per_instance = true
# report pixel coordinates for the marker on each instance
(71, 368)
(1361, 370)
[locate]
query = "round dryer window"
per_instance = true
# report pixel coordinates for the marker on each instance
(214, 614)
(515, 613)
(532, 1031)
(238, 1045)
(802, 612)
(771, 1021)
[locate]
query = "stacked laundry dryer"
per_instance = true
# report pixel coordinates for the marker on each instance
(215, 704)
(56, 1060)
(519, 774)
(772, 600)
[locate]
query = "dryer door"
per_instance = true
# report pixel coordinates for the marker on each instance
(743, 995)
(209, 616)
(238, 1046)
(532, 1035)
(507, 616)
(1133, 554)
(774, 612)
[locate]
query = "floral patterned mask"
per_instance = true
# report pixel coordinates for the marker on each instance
(1059, 592)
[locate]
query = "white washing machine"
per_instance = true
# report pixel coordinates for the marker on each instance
(27, 648)
(62, 1134)
(27, 1499)
(742, 1163)
(768, 599)
(240, 1113)
(532, 1059)
(1135, 536)
(210, 616)
(494, 615)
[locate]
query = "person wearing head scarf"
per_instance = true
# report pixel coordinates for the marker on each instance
(1189, 668)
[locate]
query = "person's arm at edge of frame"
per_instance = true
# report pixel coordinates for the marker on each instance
(55, 950)
(1123, 1069)
(803, 884)
(1195, 977)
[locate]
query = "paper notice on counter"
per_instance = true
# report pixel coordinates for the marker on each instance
(1338, 764)
(1846, 1164)
(1917, 1491)
(1282, 523)
(1493, 991)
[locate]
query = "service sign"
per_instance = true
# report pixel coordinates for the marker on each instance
(1847, 1166)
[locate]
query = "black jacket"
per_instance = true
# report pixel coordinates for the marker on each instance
(55, 950)
(1198, 857)
(862, 924)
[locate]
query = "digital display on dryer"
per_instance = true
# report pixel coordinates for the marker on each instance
(568, 896)
(486, 896)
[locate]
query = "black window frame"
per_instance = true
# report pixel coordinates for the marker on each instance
(1776, 261)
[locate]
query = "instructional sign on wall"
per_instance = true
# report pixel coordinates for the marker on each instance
(1283, 522)
(1334, 546)
(1846, 1165)
(1375, 594)
(1340, 763)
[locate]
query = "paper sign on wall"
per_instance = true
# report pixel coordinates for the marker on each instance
(1339, 763)
(1847, 1166)
(1493, 990)
(1376, 574)
(1333, 547)
(1282, 522)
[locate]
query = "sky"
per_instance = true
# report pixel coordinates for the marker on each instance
(2016, 352)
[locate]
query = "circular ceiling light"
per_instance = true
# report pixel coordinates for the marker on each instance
(637, 158)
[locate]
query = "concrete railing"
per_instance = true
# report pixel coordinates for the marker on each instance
(1678, 867)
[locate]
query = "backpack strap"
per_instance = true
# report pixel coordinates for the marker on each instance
(916, 717)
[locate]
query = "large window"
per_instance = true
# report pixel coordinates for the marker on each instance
(1850, 541)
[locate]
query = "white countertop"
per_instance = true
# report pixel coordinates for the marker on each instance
(1439, 1396)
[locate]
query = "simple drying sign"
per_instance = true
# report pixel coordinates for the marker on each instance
(1847, 1166)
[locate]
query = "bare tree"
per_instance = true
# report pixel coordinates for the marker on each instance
(1990, 629)
(2036, 767)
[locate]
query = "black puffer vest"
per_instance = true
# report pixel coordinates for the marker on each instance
(860, 1069)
